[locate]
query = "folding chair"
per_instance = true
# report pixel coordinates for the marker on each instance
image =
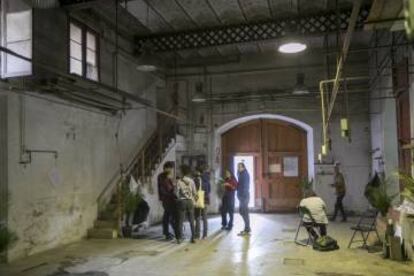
(302, 212)
(366, 224)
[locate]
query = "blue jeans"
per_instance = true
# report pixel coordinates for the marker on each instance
(244, 212)
(227, 207)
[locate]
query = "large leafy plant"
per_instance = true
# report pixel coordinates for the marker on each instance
(130, 200)
(378, 195)
(306, 184)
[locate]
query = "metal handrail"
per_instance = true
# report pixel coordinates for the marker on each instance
(136, 160)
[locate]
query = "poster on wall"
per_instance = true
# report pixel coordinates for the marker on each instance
(291, 166)
(275, 168)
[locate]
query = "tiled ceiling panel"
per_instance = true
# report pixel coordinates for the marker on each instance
(147, 16)
(200, 12)
(171, 12)
(228, 10)
(255, 10)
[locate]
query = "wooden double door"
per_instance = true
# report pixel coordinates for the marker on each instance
(280, 160)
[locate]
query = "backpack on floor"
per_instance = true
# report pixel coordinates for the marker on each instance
(325, 243)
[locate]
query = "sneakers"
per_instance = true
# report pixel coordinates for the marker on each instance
(244, 233)
(228, 228)
(169, 237)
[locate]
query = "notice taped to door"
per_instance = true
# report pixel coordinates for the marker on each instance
(291, 166)
(275, 168)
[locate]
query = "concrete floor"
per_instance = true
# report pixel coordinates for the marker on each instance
(269, 251)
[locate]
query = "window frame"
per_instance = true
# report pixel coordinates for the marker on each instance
(4, 73)
(84, 30)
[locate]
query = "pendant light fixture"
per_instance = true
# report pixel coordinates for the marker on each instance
(199, 96)
(300, 87)
(147, 62)
(292, 43)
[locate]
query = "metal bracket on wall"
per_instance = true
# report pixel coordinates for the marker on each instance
(29, 153)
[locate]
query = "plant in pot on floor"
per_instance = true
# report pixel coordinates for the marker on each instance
(306, 184)
(131, 201)
(378, 195)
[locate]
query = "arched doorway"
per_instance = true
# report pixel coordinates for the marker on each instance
(280, 152)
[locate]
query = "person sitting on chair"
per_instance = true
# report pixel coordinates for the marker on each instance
(316, 215)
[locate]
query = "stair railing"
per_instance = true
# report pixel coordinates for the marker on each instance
(141, 165)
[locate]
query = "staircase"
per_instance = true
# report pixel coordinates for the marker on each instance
(142, 168)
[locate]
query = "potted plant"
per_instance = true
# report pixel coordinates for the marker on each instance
(378, 195)
(306, 184)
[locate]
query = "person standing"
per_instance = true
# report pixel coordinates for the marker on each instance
(227, 202)
(340, 190)
(167, 197)
(202, 178)
(186, 196)
(243, 194)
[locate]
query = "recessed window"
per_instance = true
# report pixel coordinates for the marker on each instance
(83, 52)
(17, 37)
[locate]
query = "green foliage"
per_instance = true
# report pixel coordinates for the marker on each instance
(380, 198)
(306, 184)
(7, 238)
(408, 181)
(130, 200)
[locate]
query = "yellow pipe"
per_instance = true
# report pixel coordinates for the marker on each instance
(325, 121)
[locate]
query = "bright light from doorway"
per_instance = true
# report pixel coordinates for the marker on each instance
(248, 161)
(292, 47)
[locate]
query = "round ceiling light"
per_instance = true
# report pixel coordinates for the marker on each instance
(292, 47)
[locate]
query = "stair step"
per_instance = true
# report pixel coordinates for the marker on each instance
(104, 233)
(99, 224)
(107, 215)
(111, 206)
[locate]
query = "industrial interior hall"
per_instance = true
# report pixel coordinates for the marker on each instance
(206, 137)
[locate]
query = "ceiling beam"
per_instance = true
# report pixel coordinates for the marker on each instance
(250, 32)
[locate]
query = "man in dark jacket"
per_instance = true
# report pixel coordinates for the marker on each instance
(167, 196)
(243, 194)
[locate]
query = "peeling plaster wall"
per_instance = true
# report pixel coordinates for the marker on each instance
(53, 201)
(46, 213)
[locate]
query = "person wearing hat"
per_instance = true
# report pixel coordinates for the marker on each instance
(340, 190)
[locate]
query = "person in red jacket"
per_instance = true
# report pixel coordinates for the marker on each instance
(227, 205)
